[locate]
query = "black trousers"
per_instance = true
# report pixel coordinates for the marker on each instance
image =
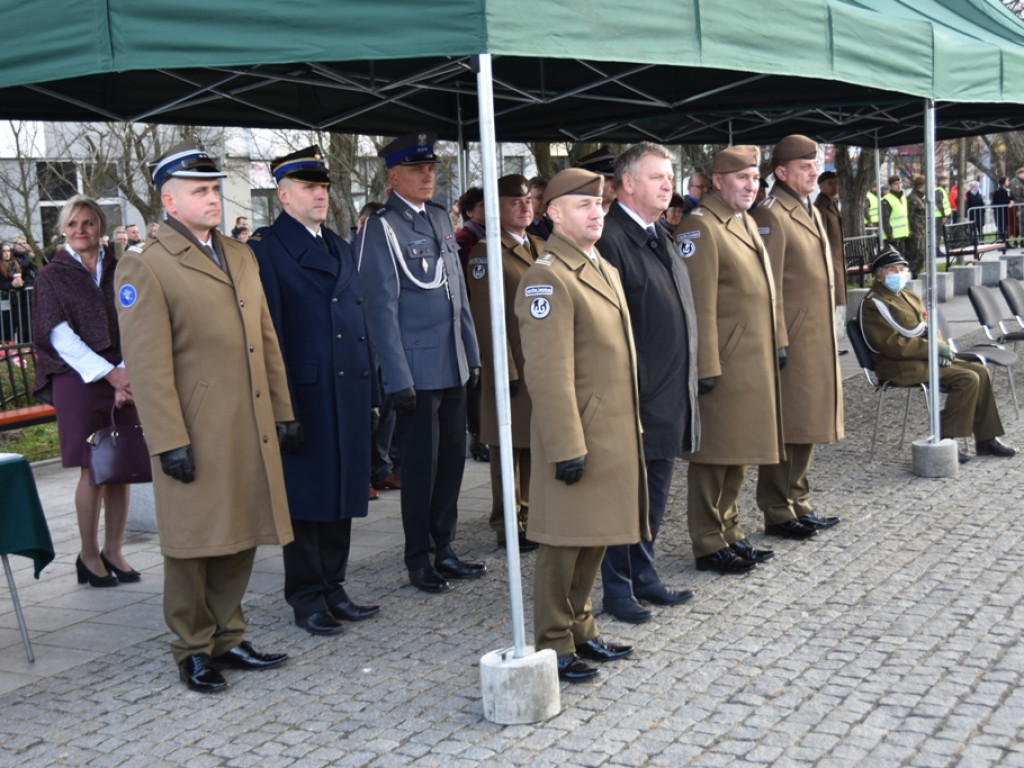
(432, 443)
(627, 566)
(315, 565)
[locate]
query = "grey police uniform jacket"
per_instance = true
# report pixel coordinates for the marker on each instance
(417, 309)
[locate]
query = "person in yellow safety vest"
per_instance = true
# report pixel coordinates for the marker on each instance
(943, 209)
(894, 216)
(871, 211)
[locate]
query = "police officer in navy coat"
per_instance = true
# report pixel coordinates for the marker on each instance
(317, 303)
(422, 331)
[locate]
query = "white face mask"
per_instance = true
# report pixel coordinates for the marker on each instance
(897, 281)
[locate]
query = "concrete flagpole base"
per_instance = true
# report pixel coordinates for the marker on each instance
(519, 691)
(935, 459)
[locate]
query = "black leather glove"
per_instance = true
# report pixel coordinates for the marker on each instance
(289, 436)
(179, 464)
(570, 471)
(513, 387)
(706, 385)
(403, 401)
(783, 356)
(474, 377)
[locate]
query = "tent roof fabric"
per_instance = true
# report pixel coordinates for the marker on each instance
(683, 71)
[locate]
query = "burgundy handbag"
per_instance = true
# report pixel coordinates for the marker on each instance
(119, 454)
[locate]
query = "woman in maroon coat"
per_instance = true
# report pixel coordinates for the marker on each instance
(79, 370)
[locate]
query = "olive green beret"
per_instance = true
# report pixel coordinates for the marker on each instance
(794, 147)
(736, 158)
(513, 185)
(574, 181)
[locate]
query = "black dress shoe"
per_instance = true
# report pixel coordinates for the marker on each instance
(319, 623)
(125, 577)
(346, 610)
(627, 609)
(659, 594)
(994, 447)
(725, 561)
(791, 529)
(428, 580)
(525, 545)
(743, 549)
(452, 568)
(598, 650)
(244, 656)
(85, 575)
(199, 674)
(962, 457)
(574, 670)
(813, 521)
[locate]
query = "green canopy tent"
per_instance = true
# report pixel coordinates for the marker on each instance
(680, 71)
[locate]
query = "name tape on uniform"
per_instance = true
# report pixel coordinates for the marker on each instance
(539, 290)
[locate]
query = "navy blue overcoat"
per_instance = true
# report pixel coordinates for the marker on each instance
(317, 304)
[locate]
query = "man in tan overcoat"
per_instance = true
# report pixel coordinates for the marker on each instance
(812, 386)
(518, 252)
(210, 386)
(588, 487)
(737, 369)
(827, 203)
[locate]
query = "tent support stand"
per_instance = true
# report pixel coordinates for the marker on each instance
(932, 457)
(519, 685)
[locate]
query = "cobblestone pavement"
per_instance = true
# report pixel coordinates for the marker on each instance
(891, 640)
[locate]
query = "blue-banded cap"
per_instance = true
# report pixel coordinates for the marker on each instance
(184, 161)
(410, 149)
(305, 165)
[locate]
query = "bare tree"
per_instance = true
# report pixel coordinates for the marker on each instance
(19, 186)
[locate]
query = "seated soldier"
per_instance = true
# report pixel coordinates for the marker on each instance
(894, 323)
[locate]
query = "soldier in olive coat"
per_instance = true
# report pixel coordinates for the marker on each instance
(210, 387)
(518, 252)
(737, 369)
(588, 485)
(893, 321)
(812, 391)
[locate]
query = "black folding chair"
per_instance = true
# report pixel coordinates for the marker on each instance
(986, 354)
(867, 363)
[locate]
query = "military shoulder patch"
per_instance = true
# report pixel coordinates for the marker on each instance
(540, 308)
(687, 248)
(689, 235)
(764, 230)
(478, 268)
(539, 290)
(127, 295)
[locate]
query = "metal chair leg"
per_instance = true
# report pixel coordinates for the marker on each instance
(878, 418)
(17, 610)
(1013, 391)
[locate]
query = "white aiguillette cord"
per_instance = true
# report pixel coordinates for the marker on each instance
(440, 270)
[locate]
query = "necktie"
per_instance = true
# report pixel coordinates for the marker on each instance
(208, 249)
(652, 231)
(320, 240)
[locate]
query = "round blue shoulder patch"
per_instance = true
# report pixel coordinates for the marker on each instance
(127, 295)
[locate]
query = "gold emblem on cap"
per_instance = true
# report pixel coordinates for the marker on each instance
(422, 138)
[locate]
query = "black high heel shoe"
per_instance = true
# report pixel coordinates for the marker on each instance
(124, 577)
(85, 575)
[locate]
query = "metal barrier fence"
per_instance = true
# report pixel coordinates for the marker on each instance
(998, 223)
(16, 316)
